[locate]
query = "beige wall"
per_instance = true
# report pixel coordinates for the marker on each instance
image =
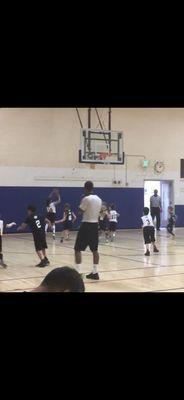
(51, 137)
(49, 140)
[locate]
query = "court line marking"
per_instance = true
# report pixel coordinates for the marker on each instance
(105, 281)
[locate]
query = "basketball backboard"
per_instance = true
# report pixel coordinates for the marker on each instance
(101, 147)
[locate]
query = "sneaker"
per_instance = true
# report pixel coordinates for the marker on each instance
(93, 276)
(158, 229)
(47, 261)
(3, 264)
(42, 264)
(147, 253)
(155, 250)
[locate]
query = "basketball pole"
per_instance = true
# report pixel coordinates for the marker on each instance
(89, 118)
(109, 126)
(80, 121)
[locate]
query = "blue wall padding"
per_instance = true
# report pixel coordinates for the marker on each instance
(14, 200)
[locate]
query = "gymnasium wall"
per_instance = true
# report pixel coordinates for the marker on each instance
(39, 150)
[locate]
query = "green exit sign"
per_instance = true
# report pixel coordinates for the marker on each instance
(145, 163)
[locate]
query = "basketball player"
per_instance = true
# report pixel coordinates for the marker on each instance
(2, 263)
(90, 207)
(171, 220)
(68, 220)
(37, 226)
(51, 210)
(103, 221)
(148, 231)
(113, 218)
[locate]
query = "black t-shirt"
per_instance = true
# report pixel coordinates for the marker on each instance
(36, 223)
(68, 215)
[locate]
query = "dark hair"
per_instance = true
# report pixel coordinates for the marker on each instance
(146, 210)
(89, 186)
(31, 208)
(66, 205)
(112, 206)
(63, 278)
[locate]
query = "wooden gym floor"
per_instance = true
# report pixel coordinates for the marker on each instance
(123, 266)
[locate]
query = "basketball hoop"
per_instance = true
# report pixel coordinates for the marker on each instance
(103, 156)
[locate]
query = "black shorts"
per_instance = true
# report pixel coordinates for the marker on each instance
(40, 241)
(51, 217)
(67, 225)
(113, 226)
(103, 224)
(149, 234)
(87, 236)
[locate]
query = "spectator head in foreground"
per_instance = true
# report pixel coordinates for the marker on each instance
(62, 279)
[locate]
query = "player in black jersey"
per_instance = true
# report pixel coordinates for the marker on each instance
(68, 220)
(37, 225)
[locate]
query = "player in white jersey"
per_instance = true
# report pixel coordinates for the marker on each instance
(1, 234)
(113, 219)
(148, 231)
(51, 210)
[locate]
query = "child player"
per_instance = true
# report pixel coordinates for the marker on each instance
(52, 201)
(113, 219)
(1, 234)
(37, 226)
(171, 220)
(103, 221)
(68, 220)
(148, 231)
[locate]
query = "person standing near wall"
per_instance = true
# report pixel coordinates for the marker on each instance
(156, 208)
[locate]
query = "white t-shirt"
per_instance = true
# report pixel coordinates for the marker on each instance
(147, 220)
(91, 206)
(51, 208)
(1, 227)
(113, 215)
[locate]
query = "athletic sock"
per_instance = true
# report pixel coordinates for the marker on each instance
(94, 270)
(78, 268)
(147, 247)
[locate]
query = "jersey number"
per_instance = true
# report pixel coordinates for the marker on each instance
(38, 224)
(148, 222)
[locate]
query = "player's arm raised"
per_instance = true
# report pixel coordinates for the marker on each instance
(58, 200)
